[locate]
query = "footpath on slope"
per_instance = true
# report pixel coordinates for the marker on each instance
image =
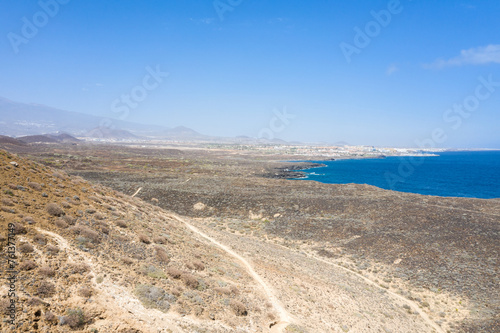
(284, 317)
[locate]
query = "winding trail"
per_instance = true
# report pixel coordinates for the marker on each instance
(137, 192)
(284, 317)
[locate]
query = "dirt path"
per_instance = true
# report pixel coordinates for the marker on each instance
(412, 304)
(137, 192)
(284, 317)
(123, 300)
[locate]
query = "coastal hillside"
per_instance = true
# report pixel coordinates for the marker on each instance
(91, 259)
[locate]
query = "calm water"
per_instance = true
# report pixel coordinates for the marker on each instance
(451, 174)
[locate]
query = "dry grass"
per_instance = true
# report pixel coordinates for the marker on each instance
(26, 248)
(60, 223)
(85, 292)
(86, 232)
(19, 228)
(121, 223)
(78, 268)
(144, 239)
(27, 265)
(46, 289)
(174, 272)
(52, 249)
(46, 271)
(35, 186)
(162, 255)
(7, 202)
(54, 209)
(239, 308)
(190, 281)
(74, 318)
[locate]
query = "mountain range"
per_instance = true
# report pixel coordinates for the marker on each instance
(29, 119)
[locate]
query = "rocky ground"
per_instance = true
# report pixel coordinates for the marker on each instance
(421, 260)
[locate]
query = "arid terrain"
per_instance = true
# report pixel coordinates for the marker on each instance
(186, 238)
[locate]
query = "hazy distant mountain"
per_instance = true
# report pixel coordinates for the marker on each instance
(17, 119)
(21, 119)
(48, 138)
(109, 133)
(7, 140)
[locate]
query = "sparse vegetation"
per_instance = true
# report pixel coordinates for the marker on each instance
(74, 318)
(144, 239)
(174, 272)
(35, 186)
(26, 248)
(190, 281)
(46, 271)
(121, 223)
(154, 297)
(27, 265)
(46, 289)
(54, 209)
(239, 308)
(85, 292)
(162, 255)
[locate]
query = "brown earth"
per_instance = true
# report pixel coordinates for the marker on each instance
(338, 257)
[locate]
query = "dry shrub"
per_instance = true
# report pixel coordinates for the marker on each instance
(28, 219)
(7, 202)
(4, 306)
(60, 223)
(88, 233)
(99, 216)
(40, 239)
(47, 271)
(127, 261)
(74, 318)
(50, 317)
(52, 249)
(65, 204)
(78, 268)
(27, 265)
(85, 292)
(239, 308)
(59, 175)
(160, 240)
(222, 290)
(121, 224)
(103, 227)
(35, 301)
(69, 219)
(198, 265)
(35, 186)
(8, 210)
(234, 290)
(189, 280)
(174, 272)
(94, 198)
(162, 255)
(176, 291)
(19, 228)
(144, 238)
(54, 209)
(46, 289)
(26, 248)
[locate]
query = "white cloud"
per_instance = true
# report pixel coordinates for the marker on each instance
(474, 56)
(391, 69)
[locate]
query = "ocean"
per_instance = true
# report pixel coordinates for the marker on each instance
(474, 174)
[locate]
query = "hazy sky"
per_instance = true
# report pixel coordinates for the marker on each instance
(402, 73)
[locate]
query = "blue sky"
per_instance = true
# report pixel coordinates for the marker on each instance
(333, 69)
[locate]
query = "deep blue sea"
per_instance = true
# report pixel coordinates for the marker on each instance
(451, 174)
